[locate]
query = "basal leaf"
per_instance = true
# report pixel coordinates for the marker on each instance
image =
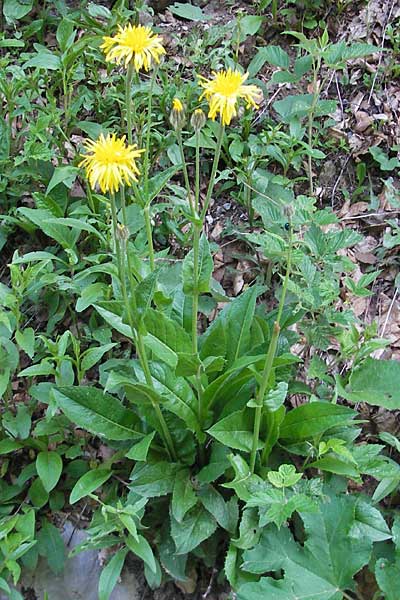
(309, 420)
(194, 529)
(97, 412)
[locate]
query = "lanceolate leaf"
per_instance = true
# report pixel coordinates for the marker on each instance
(110, 574)
(205, 269)
(97, 412)
(194, 529)
(309, 420)
(236, 319)
(88, 483)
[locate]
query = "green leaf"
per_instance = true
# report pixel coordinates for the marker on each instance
(65, 34)
(142, 549)
(176, 394)
(198, 526)
(109, 311)
(37, 494)
(225, 513)
(322, 568)
(274, 55)
(26, 340)
(286, 476)
(93, 355)
(249, 25)
(309, 420)
(205, 268)
(16, 9)
(140, 450)
(111, 573)
(376, 382)
(51, 545)
(236, 318)
(369, 523)
(44, 59)
(165, 337)
(97, 412)
(88, 483)
(49, 467)
(188, 11)
(332, 464)
(236, 430)
(153, 480)
(385, 163)
(9, 445)
(388, 576)
(183, 496)
(159, 181)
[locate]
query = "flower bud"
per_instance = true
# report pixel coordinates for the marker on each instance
(198, 119)
(177, 116)
(122, 232)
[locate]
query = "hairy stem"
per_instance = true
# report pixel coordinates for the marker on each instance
(130, 306)
(128, 101)
(213, 172)
(269, 361)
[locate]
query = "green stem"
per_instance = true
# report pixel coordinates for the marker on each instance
(197, 174)
(184, 169)
(213, 172)
(268, 366)
(316, 88)
(128, 101)
(197, 227)
(149, 234)
(195, 302)
(146, 169)
(146, 159)
(136, 335)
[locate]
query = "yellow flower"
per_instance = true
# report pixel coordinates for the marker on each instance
(223, 92)
(109, 162)
(177, 105)
(133, 42)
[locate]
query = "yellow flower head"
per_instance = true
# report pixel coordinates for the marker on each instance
(109, 162)
(223, 92)
(177, 105)
(136, 43)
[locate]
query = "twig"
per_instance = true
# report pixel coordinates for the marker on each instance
(208, 590)
(381, 214)
(389, 311)
(381, 53)
(338, 179)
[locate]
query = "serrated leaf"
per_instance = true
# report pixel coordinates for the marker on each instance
(183, 496)
(205, 268)
(321, 569)
(97, 412)
(198, 526)
(376, 382)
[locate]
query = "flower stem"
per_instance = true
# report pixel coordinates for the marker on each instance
(149, 234)
(128, 101)
(184, 169)
(146, 170)
(136, 334)
(269, 361)
(213, 172)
